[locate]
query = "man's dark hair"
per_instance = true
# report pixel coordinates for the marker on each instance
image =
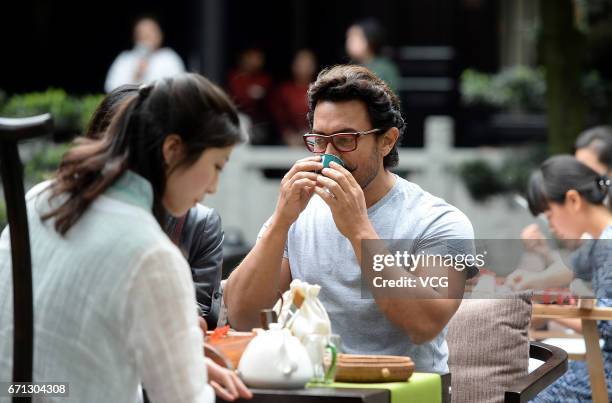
(352, 82)
(599, 139)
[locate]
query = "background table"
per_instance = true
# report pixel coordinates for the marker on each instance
(589, 314)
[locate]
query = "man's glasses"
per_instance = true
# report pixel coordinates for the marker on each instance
(344, 142)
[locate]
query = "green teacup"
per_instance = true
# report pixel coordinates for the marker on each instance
(327, 158)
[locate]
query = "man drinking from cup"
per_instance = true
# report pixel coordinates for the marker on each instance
(325, 216)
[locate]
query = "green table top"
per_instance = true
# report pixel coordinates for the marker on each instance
(421, 387)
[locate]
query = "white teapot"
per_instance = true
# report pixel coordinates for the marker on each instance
(275, 359)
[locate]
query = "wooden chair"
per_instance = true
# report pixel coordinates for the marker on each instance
(555, 365)
(12, 131)
(589, 314)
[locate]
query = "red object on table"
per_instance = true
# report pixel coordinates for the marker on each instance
(219, 333)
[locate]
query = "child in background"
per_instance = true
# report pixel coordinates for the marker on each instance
(574, 199)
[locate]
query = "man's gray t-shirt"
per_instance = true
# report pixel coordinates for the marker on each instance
(319, 254)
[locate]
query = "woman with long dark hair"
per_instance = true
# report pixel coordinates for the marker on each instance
(198, 233)
(575, 199)
(114, 300)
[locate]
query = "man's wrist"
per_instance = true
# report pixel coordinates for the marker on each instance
(365, 232)
(279, 224)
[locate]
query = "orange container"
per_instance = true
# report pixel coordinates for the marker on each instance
(230, 346)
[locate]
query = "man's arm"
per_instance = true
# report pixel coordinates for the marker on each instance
(255, 283)
(422, 316)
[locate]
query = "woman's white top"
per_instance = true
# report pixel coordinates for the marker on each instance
(114, 303)
(162, 63)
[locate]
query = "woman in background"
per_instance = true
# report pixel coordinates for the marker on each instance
(365, 40)
(289, 104)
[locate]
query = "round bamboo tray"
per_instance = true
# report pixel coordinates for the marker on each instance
(373, 368)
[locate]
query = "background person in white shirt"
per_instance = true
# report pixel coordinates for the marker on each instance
(114, 302)
(147, 61)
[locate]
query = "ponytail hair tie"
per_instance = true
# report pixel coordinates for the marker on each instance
(603, 181)
(144, 90)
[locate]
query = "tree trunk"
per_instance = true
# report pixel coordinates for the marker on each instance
(563, 50)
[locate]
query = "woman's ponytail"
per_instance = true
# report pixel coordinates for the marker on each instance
(89, 168)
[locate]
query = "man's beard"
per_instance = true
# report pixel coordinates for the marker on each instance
(371, 170)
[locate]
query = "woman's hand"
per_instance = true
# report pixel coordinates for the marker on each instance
(226, 383)
(534, 240)
(521, 279)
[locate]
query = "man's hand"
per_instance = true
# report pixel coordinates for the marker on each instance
(297, 187)
(339, 189)
(227, 385)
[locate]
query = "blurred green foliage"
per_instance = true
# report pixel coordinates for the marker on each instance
(523, 88)
(70, 113)
(484, 180)
(519, 87)
(481, 180)
(88, 105)
(2, 99)
(44, 163)
(40, 167)
(3, 218)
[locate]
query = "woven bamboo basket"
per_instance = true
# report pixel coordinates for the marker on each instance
(373, 368)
